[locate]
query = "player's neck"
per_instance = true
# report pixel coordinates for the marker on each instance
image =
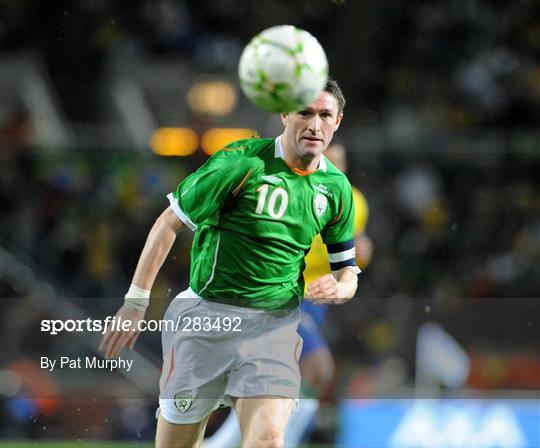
(302, 164)
(304, 167)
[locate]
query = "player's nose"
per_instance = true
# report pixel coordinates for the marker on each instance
(315, 124)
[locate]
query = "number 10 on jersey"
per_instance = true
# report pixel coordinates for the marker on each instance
(277, 193)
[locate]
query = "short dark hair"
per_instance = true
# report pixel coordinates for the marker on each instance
(333, 89)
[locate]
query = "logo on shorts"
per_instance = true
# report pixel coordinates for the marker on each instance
(320, 203)
(183, 401)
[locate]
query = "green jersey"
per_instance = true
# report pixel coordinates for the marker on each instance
(254, 220)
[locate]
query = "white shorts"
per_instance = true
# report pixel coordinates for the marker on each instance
(219, 352)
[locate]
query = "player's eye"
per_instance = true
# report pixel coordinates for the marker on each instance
(303, 113)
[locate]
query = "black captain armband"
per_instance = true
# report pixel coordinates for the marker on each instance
(341, 255)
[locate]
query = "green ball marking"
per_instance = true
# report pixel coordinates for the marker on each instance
(262, 76)
(300, 67)
(280, 46)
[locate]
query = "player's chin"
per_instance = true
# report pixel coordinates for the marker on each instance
(312, 147)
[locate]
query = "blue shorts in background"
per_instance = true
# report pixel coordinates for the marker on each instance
(313, 317)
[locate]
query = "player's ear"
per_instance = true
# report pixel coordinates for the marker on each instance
(284, 118)
(338, 122)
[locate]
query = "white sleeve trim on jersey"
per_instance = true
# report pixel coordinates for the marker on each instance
(355, 269)
(178, 212)
(342, 256)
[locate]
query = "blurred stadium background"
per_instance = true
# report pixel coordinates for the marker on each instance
(106, 105)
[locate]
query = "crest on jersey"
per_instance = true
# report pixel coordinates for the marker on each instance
(320, 203)
(183, 401)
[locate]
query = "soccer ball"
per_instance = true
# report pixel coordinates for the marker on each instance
(283, 69)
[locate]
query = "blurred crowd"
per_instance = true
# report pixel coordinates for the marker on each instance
(455, 242)
(443, 229)
(457, 64)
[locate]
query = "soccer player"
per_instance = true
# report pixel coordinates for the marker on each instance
(255, 208)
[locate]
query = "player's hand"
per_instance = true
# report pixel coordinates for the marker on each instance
(114, 340)
(324, 290)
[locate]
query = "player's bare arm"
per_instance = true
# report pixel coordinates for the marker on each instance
(336, 288)
(155, 251)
